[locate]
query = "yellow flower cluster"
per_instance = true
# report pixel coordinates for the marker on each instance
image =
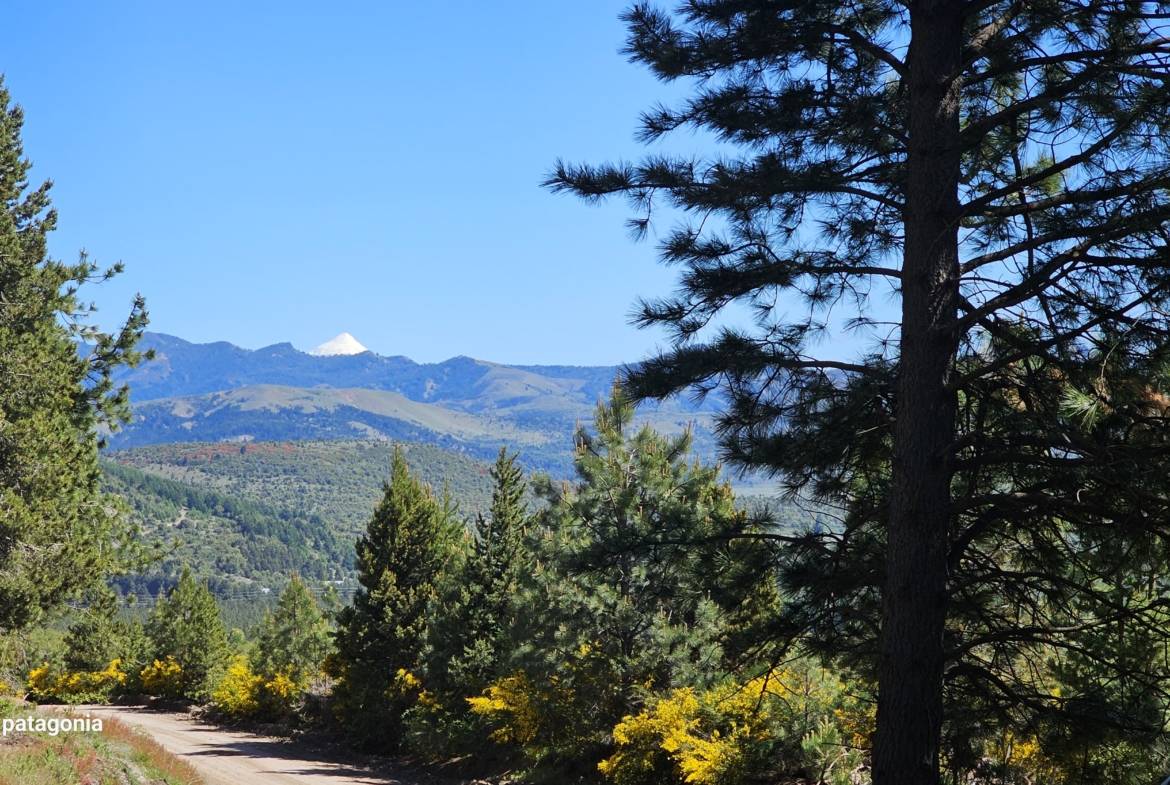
(44, 684)
(406, 680)
(282, 688)
(512, 702)
(244, 693)
(407, 683)
(1026, 756)
(703, 735)
(163, 677)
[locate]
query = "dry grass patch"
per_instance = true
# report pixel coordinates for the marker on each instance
(118, 755)
(151, 755)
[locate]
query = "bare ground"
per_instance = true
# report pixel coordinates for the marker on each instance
(230, 757)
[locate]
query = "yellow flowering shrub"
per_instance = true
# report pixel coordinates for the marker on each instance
(282, 687)
(553, 716)
(41, 681)
(238, 692)
(46, 684)
(513, 706)
(721, 735)
(1025, 757)
(644, 751)
(675, 729)
(242, 692)
(163, 678)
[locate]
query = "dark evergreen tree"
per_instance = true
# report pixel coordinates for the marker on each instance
(186, 625)
(102, 634)
(295, 638)
(380, 636)
(641, 572)
(468, 633)
(1000, 169)
(58, 533)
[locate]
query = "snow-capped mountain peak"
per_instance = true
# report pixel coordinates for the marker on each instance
(340, 345)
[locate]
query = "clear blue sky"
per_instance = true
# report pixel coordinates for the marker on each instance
(284, 171)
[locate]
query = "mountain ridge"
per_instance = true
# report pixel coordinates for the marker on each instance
(221, 392)
(234, 366)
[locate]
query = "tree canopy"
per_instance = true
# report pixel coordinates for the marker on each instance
(996, 448)
(380, 635)
(58, 533)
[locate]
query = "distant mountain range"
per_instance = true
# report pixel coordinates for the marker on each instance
(221, 392)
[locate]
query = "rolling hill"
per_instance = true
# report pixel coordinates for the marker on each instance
(245, 516)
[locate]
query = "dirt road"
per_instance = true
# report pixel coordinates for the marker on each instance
(227, 757)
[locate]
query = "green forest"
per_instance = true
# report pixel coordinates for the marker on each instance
(244, 517)
(961, 579)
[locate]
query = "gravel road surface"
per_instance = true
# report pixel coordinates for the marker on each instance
(227, 757)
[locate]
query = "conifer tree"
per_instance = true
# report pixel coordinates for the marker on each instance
(380, 636)
(58, 533)
(295, 638)
(102, 635)
(468, 633)
(640, 572)
(187, 626)
(998, 169)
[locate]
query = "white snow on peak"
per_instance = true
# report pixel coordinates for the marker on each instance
(342, 344)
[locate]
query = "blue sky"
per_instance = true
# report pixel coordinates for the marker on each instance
(284, 171)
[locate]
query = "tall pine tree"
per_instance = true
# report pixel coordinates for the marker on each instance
(641, 571)
(294, 639)
(1000, 170)
(468, 634)
(400, 559)
(58, 533)
(186, 625)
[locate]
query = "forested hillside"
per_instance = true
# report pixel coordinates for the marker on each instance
(245, 516)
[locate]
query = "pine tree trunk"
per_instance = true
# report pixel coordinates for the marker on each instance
(909, 721)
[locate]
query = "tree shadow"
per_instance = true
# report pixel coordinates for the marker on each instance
(313, 762)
